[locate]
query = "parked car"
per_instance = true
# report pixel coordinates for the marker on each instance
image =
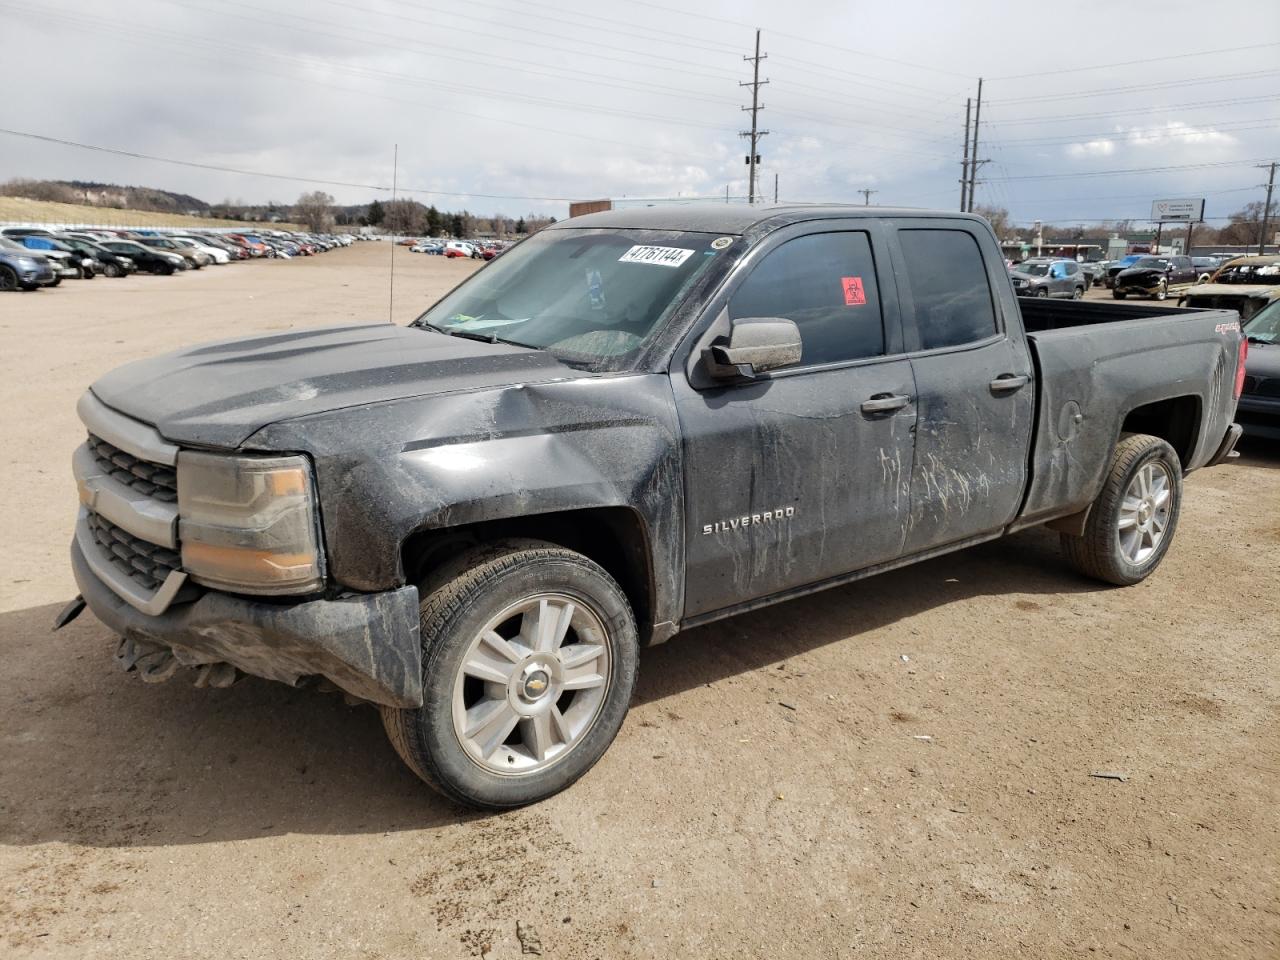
(86, 264)
(1259, 411)
(195, 259)
(215, 254)
(1095, 271)
(459, 248)
(253, 243)
(147, 258)
(1115, 266)
(1206, 267)
(1049, 277)
(59, 260)
(113, 264)
(540, 475)
(1154, 277)
(1245, 284)
(23, 269)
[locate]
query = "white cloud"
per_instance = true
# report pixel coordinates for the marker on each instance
(1093, 148)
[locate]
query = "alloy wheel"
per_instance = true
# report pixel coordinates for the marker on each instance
(531, 684)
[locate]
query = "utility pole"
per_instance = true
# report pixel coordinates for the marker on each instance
(974, 162)
(1266, 209)
(866, 196)
(755, 133)
(775, 188)
(964, 164)
(391, 279)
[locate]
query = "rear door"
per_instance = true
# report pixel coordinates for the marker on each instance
(800, 474)
(974, 384)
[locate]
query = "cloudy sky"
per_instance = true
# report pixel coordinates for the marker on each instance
(1090, 110)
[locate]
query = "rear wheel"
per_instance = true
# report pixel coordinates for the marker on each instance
(529, 660)
(1077, 293)
(1133, 519)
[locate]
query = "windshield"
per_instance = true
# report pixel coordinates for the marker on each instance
(591, 297)
(1267, 273)
(1265, 324)
(1154, 263)
(1034, 269)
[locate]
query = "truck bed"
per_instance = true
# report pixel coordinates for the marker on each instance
(1040, 315)
(1103, 367)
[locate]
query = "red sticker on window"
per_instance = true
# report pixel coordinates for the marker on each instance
(854, 296)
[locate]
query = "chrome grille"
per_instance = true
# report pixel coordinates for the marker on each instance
(153, 479)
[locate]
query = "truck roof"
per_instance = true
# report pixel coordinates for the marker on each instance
(739, 218)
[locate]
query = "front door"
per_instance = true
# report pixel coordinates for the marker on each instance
(801, 474)
(974, 385)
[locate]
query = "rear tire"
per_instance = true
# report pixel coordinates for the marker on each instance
(1077, 293)
(1133, 519)
(542, 715)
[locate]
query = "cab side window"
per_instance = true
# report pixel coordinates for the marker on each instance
(826, 284)
(949, 287)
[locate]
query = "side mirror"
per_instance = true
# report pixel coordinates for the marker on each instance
(756, 345)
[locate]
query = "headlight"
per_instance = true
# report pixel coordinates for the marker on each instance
(249, 524)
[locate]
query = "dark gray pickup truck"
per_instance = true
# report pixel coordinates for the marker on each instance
(631, 423)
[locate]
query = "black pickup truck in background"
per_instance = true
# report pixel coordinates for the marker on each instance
(632, 423)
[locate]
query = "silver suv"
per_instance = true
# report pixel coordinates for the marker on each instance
(1049, 277)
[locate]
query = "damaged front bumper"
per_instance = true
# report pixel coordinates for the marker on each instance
(367, 645)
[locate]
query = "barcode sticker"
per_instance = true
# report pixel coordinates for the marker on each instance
(662, 256)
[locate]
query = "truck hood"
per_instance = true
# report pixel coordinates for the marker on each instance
(220, 394)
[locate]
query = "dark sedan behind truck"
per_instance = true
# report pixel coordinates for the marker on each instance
(1259, 408)
(1154, 277)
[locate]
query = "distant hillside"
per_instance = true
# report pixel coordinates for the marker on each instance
(24, 210)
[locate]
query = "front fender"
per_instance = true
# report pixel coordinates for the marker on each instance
(386, 471)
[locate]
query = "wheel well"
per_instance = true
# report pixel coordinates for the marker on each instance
(613, 537)
(1176, 420)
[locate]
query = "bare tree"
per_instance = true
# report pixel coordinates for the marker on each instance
(998, 217)
(1244, 225)
(315, 210)
(404, 216)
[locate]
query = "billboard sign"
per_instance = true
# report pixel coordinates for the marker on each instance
(1193, 210)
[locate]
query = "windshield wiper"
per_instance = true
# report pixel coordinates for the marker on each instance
(470, 335)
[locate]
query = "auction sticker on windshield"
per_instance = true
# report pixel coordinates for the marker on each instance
(662, 256)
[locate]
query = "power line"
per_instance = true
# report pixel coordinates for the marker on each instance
(1133, 88)
(1231, 101)
(1133, 170)
(1130, 63)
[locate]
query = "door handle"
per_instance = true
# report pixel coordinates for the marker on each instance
(885, 403)
(1008, 383)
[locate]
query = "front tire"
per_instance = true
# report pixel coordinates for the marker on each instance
(1118, 295)
(1133, 519)
(529, 661)
(8, 278)
(1162, 290)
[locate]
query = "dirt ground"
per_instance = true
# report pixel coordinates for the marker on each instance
(895, 769)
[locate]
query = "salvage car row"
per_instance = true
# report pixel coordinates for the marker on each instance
(35, 257)
(1149, 276)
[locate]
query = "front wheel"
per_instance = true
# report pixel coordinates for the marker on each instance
(1132, 521)
(1118, 295)
(1042, 292)
(111, 270)
(529, 660)
(8, 278)
(1162, 290)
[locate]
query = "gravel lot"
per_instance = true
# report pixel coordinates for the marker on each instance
(897, 768)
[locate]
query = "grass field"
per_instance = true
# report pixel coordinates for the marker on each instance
(22, 210)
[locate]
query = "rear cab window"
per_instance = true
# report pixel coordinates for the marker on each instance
(949, 287)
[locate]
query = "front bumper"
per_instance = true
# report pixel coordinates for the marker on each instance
(368, 645)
